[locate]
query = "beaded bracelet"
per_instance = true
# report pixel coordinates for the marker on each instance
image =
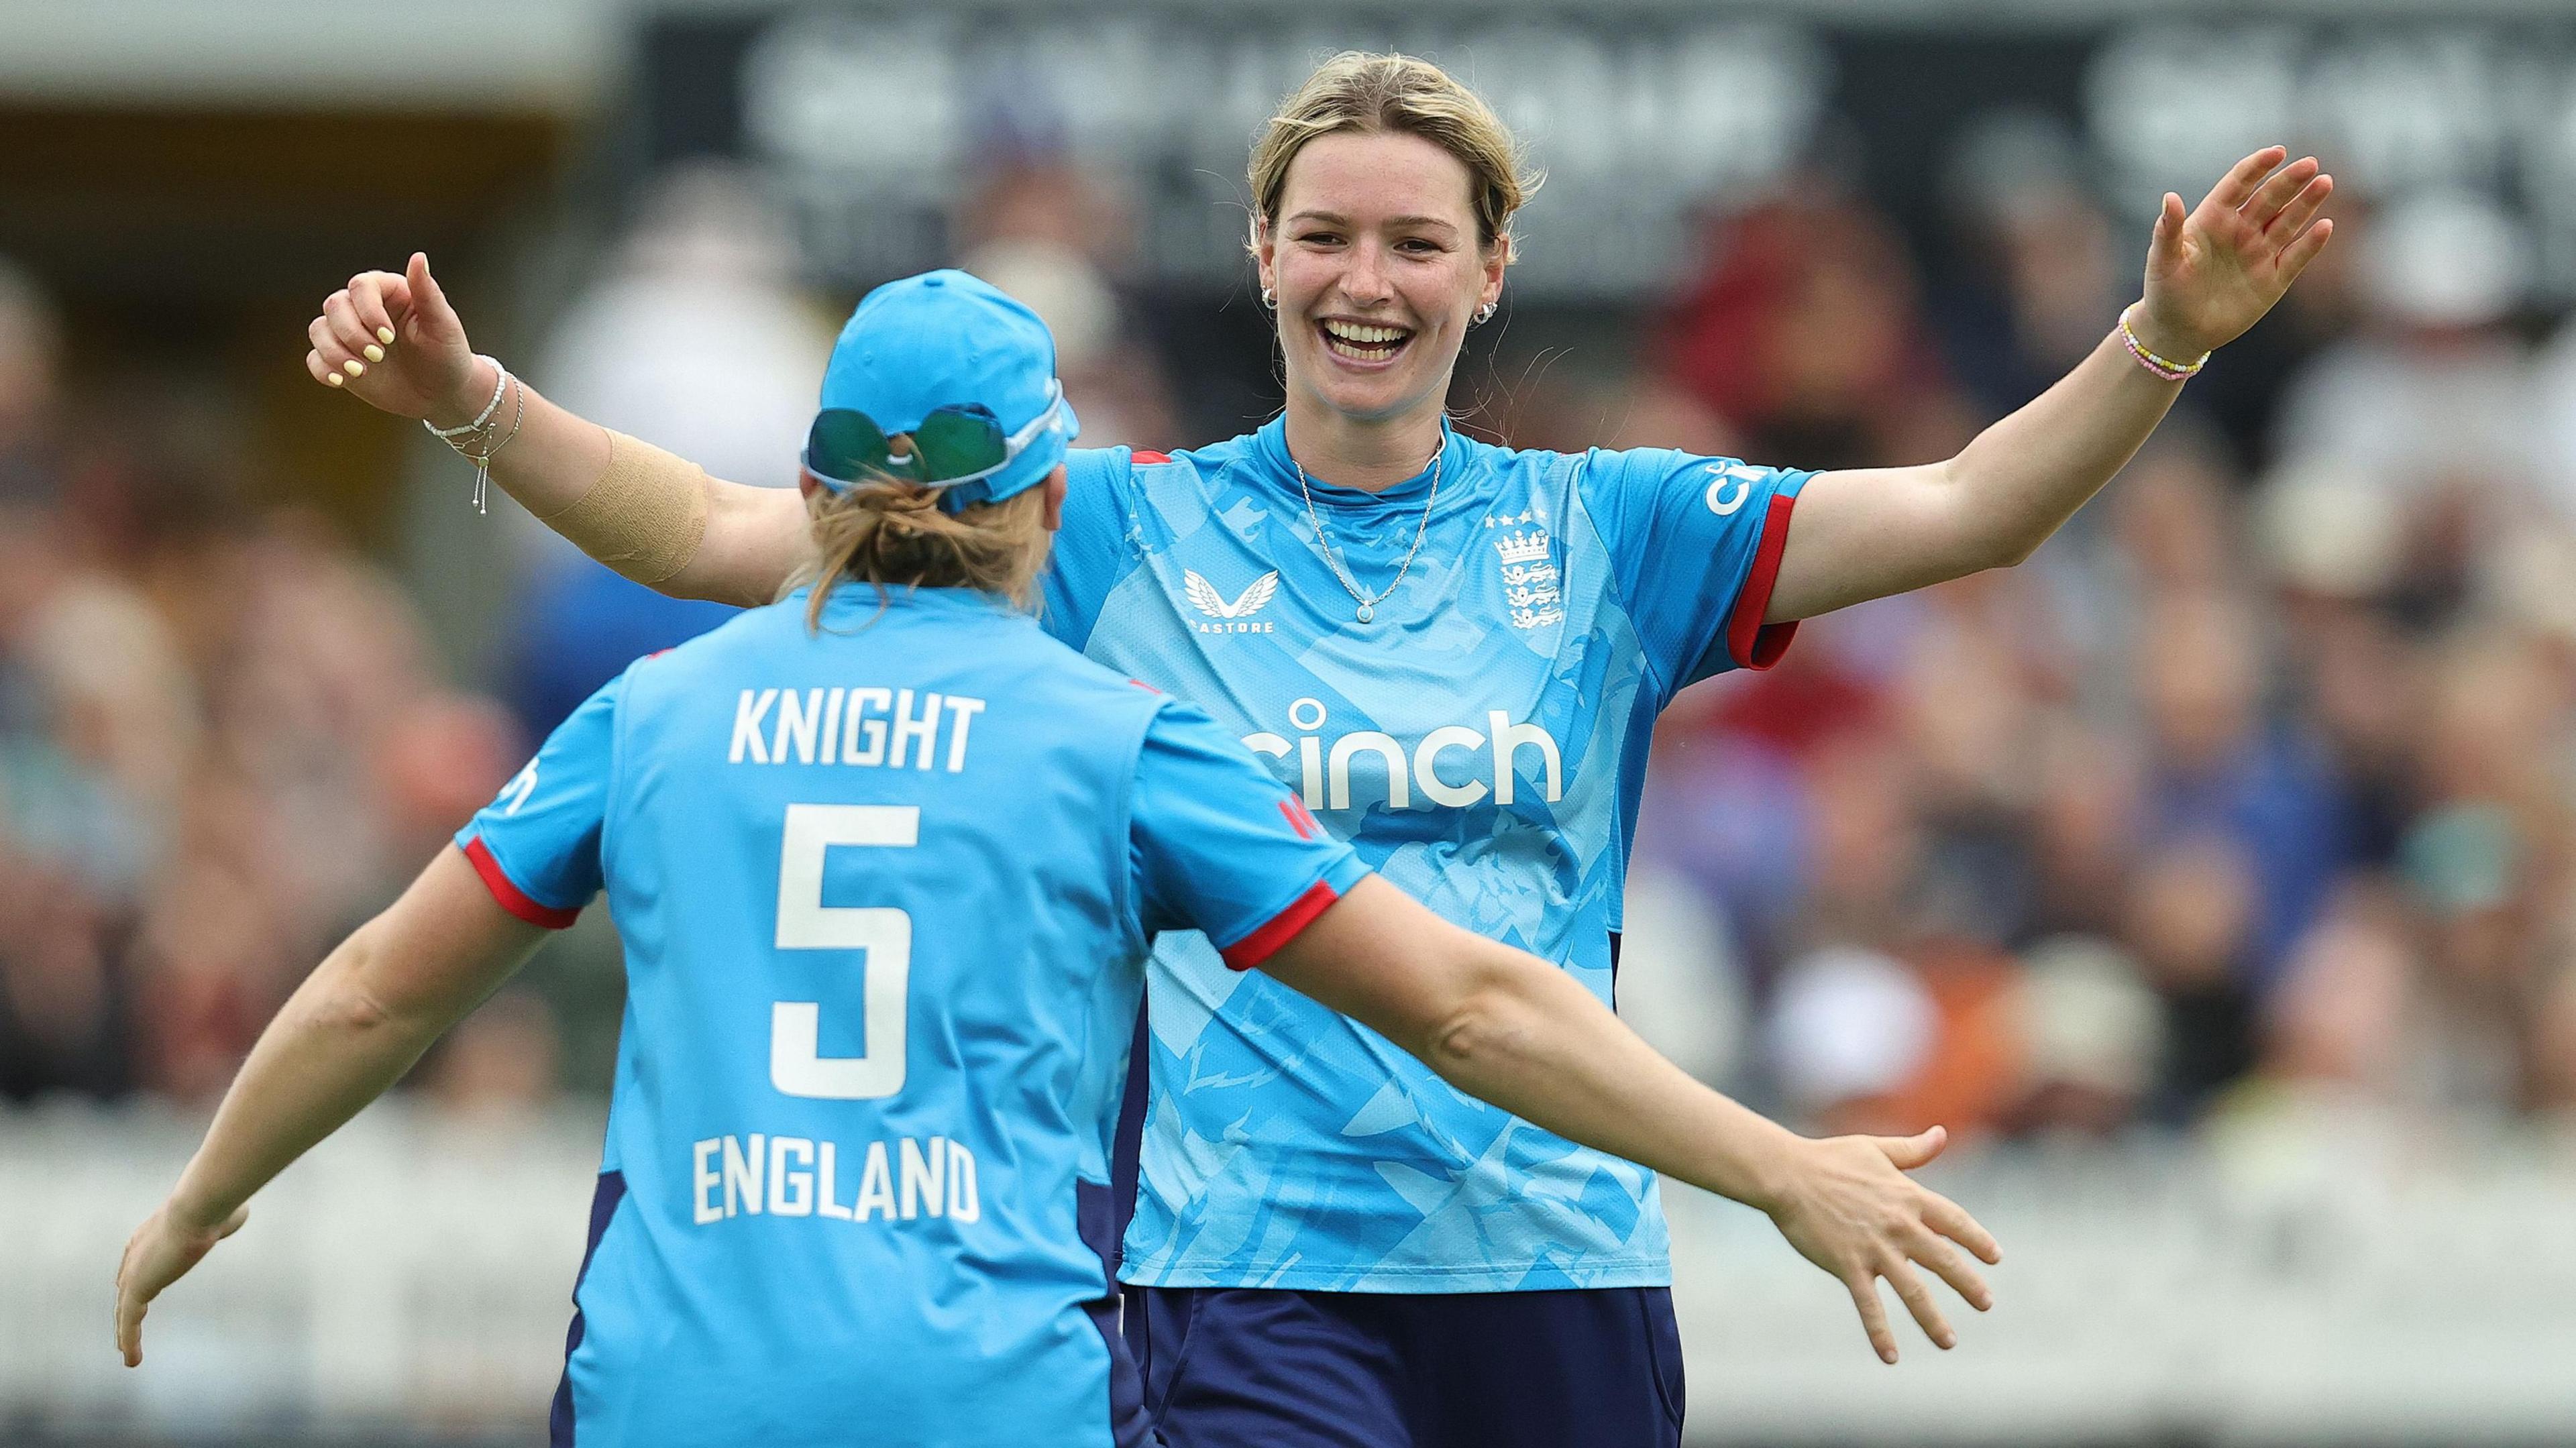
(478, 432)
(2166, 368)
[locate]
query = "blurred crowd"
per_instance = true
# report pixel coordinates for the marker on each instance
(223, 741)
(2251, 797)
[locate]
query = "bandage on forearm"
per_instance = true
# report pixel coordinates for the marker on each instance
(644, 517)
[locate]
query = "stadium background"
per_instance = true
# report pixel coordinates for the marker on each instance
(2213, 875)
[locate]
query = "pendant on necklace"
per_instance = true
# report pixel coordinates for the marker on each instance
(1367, 613)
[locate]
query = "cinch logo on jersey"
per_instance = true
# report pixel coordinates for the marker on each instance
(1325, 773)
(794, 1176)
(851, 726)
(1234, 616)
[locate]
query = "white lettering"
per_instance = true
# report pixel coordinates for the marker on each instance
(907, 728)
(1398, 795)
(747, 715)
(875, 729)
(963, 1204)
(1508, 739)
(831, 726)
(961, 716)
(1270, 744)
(1426, 766)
(791, 1192)
(922, 1177)
(742, 1175)
(1310, 758)
(799, 716)
(876, 1184)
(826, 1164)
(703, 1180)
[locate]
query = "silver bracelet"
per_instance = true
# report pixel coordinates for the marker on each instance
(500, 382)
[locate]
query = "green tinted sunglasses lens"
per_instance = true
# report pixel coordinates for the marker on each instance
(957, 442)
(845, 446)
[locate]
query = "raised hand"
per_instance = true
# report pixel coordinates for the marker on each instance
(1851, 1209)
(160, 1253)
(395, 342)
(2214, 271)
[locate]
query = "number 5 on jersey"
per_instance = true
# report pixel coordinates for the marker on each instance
(806, 923)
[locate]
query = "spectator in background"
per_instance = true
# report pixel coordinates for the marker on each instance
(697, 340)
(1053, 235)
(2430, 406)
(1800, 332)
(2042, 264)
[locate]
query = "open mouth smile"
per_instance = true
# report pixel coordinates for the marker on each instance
(1366, 342)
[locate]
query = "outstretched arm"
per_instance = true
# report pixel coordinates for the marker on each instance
(1506, 1027)
(348, 1033)
(2211, 273)
(395, 342)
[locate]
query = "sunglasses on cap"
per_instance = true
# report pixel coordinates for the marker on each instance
(959, 443)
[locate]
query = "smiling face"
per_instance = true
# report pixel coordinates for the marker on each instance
(1374, 255)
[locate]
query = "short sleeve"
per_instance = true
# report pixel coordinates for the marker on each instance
(537, 845)
(1694, 546)
(1090, 554)
(1220, 846)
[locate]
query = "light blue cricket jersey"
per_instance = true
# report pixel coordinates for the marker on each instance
(1483, 744)
(886, 893)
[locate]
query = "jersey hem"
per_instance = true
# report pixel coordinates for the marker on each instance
(1393, 1281)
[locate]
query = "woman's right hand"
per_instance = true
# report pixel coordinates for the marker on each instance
(395, 342)
(1850, 1208)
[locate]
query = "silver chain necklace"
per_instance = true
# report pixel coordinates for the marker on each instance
(1324, 543)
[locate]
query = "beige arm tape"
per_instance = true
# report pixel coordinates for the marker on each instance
(644, 517)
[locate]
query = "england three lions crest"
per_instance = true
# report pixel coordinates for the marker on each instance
(1523, 552)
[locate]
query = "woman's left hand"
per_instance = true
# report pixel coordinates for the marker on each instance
(161, 1252)
(2213, 272)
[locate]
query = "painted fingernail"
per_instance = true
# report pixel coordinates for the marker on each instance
(375, 353)
(354, 367)
(330, 379)
(385, 335)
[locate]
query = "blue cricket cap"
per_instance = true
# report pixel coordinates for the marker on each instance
(944, 339)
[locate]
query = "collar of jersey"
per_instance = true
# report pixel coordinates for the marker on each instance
(1270, 445)
(853, 598)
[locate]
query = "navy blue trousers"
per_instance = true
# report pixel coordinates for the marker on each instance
(1254, 1368)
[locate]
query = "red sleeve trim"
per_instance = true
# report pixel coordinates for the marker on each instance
(1750, 642)
(510, 896)
(1143, 456)
(1263, 943)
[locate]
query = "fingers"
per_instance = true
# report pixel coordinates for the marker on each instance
(1952, 1221)
(1946, 1264)
(2296, 256)
(1873, 1316)
(426, 294)
(372, 295)
(2279, 190)
(1918, 1300)
(323, 372)
(332, 353)
(2238, 184)
(129, 1328)
(1909, 1152)
(2291, 221)
(342, 320)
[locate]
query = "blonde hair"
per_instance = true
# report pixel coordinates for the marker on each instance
(1398, 95)
(892, 532)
